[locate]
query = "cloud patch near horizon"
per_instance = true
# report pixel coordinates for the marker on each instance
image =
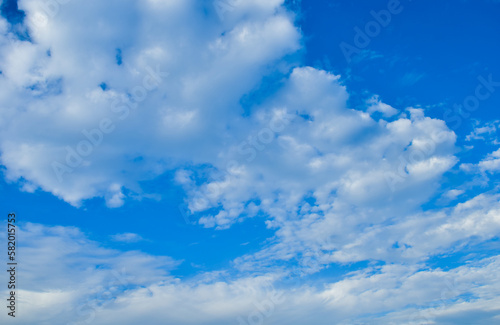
(92, 283)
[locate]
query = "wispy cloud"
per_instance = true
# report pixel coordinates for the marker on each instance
(127, 237)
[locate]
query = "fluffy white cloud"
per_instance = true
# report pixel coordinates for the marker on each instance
(332, 179)
(68, 279)
(62, 271)
(375, 105)
(327, 152)
(82, 125)
(154, 85)
(89, 111)
(491, 163)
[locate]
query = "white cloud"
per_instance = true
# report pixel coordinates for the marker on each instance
(127, 237)
(68, 279)
(485, 132)
(453, 194)
(169, 102)
(336, 184)
(491, 163)
(328, 152)
(341, 235)
(375, 105)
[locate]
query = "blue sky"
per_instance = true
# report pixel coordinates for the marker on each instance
(228, 162)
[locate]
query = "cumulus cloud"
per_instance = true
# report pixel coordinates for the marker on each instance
(491, 163)
(151, 85)
(155, 86)
(67, 278)
(330, 179)
(62, 267)
(488, 165)
(83, 123)
(375, 105)
(326, 151)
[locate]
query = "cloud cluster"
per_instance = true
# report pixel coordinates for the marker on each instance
(90, 112)
(329, 153)
(93, 284)
(155, 86)
(343, 184)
